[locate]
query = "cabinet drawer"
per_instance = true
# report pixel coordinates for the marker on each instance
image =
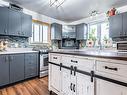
(112, 68)
(68, 61)
(55, 58)
(85, 64)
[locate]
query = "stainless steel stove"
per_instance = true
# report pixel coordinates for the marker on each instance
(43, 53)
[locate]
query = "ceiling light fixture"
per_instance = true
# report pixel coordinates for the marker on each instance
(56, 3)
(94, 13)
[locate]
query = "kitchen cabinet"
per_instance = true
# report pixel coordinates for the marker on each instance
(14, 25)
(107, 88)
(125, 24)
(55, 77)
(66, 87)
(4, 20)
(4, 70)
(115, 26)
(26, 25)
(84, 85)
(69, 82)
(81, 31)
(31, 65)
(16, 67)
(56, 31)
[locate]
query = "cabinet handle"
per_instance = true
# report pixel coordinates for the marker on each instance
(60, 66)
(6, 59)
(5, 31)
(74, 87)
(54, 57)
(114, 69)
(92, 76)
(71, 70)
(71, 86)
(74, 61)
(75, 68)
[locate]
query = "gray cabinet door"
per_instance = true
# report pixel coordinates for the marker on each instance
(26, 25)
(31, 65)
(56, 31)
(16, 67)
(81, 32)
(3, 20)
(125, 24)
(115, 26)
(4, 70)
(14, 27)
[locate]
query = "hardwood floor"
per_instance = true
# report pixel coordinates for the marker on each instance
(30, 87)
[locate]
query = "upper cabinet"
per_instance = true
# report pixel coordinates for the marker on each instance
(81, 31)
(125, 24)
(56, 31)
(26, 25)
(15, 23)
(14, 27)
(4, 21)
(117, 25)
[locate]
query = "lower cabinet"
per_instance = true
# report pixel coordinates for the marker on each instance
(16, 67)
(108, 88)
(4, 70)
(84, 85)
(31, 65)
(66, 85)
(55, 77)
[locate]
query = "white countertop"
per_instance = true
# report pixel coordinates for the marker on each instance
(18, 50)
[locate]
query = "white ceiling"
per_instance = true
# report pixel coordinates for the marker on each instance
(71, 10)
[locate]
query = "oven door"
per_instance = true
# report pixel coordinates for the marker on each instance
(43, 62)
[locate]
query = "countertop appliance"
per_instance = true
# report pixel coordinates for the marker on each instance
(43, 53)
(122, 46)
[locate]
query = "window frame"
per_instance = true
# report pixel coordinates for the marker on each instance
(40, 25)
(99, 32)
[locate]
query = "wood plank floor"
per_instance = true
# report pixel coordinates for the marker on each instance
(30, 87)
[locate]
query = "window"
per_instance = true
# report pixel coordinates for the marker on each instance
(93, 32)
(98, 35)
(104, 31)
(40, 33)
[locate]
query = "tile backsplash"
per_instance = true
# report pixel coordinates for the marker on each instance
(13, 42)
